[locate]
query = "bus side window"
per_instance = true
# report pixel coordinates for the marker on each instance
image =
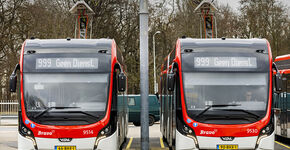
(131, 101)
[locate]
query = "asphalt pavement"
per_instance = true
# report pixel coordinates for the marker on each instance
(8, 137)
(156, 142)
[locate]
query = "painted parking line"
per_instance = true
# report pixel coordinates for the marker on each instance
(282, 144)
(161, 142)
(129, 144)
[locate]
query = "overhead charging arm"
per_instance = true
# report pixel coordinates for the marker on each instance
(17, 67)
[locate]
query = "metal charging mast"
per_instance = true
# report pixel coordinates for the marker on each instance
(84, 19)
(207, 11)
(144, 85)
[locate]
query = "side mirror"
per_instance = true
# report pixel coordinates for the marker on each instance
(13, 79)
(122, 82)
(278, 82)
(170, 81)
(13, 82)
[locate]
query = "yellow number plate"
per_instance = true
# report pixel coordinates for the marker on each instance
(65, 148)
(227, 146)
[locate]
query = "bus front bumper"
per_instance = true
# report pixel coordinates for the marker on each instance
(25, 143)
(186, 143)
(80, 143)
(183, 142)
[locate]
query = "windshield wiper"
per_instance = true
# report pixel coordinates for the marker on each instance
(211, 106)
(242, 110)
(82, 112)
(50, 108)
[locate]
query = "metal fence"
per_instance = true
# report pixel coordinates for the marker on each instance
(8, 107)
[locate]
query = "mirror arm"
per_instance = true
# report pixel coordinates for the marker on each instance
(118, 66)
(172, 68)
(275, 67)
(17, 67)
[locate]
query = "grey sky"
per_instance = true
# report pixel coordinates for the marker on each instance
(235, 3)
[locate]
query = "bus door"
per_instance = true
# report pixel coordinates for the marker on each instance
(283, 101)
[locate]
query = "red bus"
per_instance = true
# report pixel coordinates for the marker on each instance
(68, 90)
(282, 100)
(217, 94)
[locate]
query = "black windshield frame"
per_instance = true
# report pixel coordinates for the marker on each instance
(187, 65)
(211, 117)
(68, 117)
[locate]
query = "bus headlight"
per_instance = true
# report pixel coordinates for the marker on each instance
(105, 132)
(267, 130)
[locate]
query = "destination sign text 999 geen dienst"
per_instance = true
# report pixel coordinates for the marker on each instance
(225, 62)
(66, 63)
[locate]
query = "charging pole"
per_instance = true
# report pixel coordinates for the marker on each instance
(207, 11)
(83, 13)
(143, 14)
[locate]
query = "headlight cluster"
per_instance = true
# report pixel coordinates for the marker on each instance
(186, 131)
(267, 130)
(26, 132)
(105, 132)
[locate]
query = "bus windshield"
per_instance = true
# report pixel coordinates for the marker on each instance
(82, 92)
(244, 93)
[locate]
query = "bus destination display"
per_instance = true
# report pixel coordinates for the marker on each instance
(225, 62)
(66, 63)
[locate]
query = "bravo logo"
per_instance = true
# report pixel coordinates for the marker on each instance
(45, 133)
(208, 132)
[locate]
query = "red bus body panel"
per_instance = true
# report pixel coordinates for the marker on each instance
(218, 130)
(283, 57)
(77, 131)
